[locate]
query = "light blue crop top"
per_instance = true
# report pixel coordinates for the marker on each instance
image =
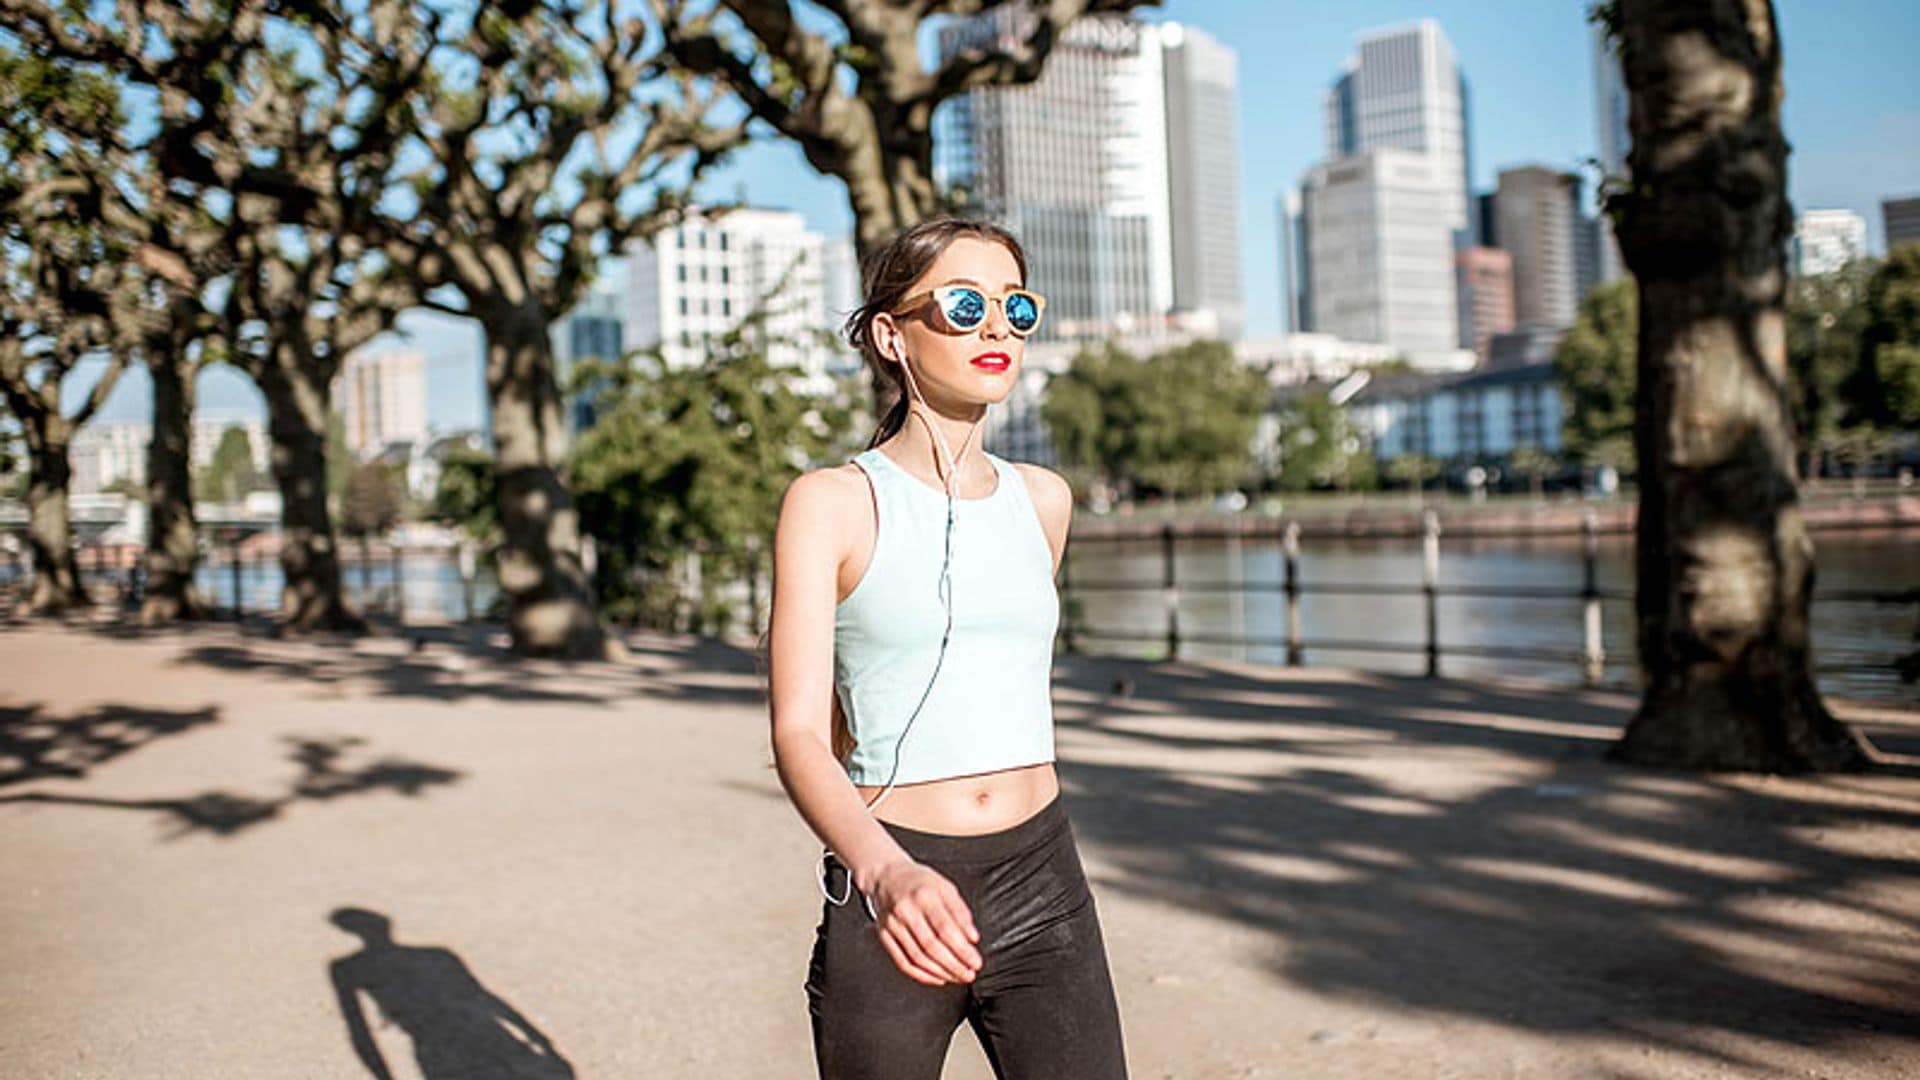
(991, 706)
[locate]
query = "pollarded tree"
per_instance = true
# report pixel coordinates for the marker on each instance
(276, 125)
(62, 271)
(859, 101)
(546, 138)
(1725, 565)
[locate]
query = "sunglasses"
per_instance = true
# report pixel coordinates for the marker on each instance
(963, 308)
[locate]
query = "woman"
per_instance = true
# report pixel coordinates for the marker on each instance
(911, 646)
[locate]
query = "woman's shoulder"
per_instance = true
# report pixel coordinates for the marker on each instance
(1051, 494)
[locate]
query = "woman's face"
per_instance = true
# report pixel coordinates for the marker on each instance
(979, 366)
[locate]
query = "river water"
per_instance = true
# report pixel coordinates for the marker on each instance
(1845, 633)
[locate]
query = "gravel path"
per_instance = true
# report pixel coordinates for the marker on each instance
(234, 856)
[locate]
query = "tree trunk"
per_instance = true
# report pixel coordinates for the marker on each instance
(297, 404)
(172, 548)
(551, 609)
(56, 575)
(1725, 565)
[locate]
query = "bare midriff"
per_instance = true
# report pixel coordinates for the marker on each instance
(969, 805)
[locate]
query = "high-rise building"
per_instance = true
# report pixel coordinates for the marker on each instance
(840, 290)
(748, 269)
(1610, 117)
(1117, 168)
(1486, 297)
(1826, 240)
(1203, 160)
(383, 399)
(592, 331)
(1403, 90)
(1901, 220)
(1537, 215)
(1381, 253)
(1295, 300)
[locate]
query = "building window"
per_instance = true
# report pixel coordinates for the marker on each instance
(680, 237)
(723, 272)
(723, 241)
(703, 273)
(683, 305)
(700, 239)
(726, 307)
(683, 272)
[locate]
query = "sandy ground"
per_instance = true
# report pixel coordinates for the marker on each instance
(592, 871)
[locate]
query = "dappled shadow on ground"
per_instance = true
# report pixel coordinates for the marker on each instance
(325, 775)
(37, 746)
(1464, 849)
(457, 1027)
(453, 663)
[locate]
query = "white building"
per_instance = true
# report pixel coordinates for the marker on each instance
(1296, 358)
(1380, 254)
(752, 269)
(1826, 240)
(382, 396)
(102, 455)
(1117, 168)
(1403, 90)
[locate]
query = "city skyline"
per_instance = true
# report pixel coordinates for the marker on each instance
(1852, 113)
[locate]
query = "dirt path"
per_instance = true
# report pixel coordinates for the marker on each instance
(224, 850)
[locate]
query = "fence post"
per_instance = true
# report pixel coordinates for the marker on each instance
(1430, 586)
(1171, 595)
(1594, 653)
(233, 561)
(396, 560)
(466, 559)
(1290, 546)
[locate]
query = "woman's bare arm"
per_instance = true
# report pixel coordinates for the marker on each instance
(924, 923)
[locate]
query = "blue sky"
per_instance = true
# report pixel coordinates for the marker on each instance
(1852, 115)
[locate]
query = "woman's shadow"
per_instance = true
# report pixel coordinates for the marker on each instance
(459, 1028)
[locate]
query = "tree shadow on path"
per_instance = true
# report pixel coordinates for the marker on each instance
(36, 746)
(1456, 848)
(458, 1027)
(323, 777)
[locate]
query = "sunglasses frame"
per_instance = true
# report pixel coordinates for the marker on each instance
(920, 299)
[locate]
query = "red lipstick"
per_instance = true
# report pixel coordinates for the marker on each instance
(993, 361)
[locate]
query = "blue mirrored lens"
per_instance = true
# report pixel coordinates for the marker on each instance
(1022, 312)
(963, 307)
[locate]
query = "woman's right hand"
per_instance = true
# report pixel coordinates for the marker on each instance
(924, 924)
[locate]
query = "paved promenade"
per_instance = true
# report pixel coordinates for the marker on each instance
(234, 856)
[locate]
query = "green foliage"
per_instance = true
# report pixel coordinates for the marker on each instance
(230, 474)
(1413, 470)
(1887, 386)
(371, 504)
(1320, 447)
(1595, 364)
(467, 495)
(1826, 316)
(694, 459)
(1181, 421)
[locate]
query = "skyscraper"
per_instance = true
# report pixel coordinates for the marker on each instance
(1117, 168)
(1486, 302)
(1610, 117)
(1381, 253)
(383, 399)
(1203, 159)
(1403, 90)
(1901, 220)
(1537, 215)
(1826, 240)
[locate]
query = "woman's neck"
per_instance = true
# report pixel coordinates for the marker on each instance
(918, 448)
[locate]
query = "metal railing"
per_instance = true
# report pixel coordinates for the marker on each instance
(1591, 657)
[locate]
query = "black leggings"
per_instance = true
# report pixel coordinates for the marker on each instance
(1042, 1003)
